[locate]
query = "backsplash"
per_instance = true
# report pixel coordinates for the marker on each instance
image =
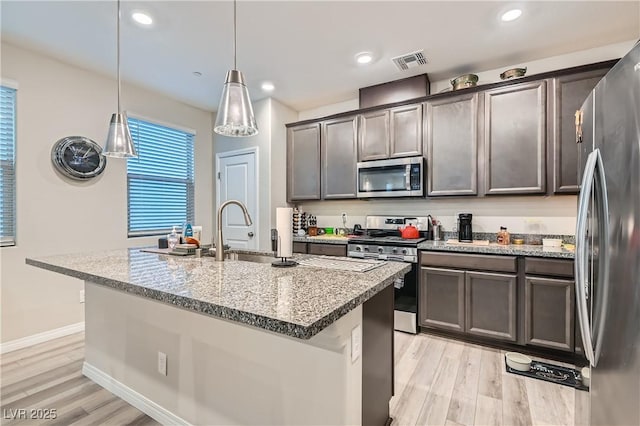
(521, 215)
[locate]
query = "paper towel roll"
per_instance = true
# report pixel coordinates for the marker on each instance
(284, 225)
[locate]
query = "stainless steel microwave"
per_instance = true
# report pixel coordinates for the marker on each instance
(399, 177)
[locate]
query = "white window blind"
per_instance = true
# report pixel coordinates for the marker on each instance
(160, 182)
(7, 166)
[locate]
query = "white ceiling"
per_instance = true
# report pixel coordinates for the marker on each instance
(307, 48)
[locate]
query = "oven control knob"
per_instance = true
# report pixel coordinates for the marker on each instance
(404, 251)
(394, 250)
(366, 249)
(380, 249)
(358, 248)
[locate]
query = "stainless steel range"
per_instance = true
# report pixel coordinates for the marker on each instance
(382, 240)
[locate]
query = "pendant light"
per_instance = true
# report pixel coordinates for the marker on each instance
(119, 143)
(235, 114)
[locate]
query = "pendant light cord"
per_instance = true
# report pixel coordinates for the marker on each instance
(118, 53)
(235, 41)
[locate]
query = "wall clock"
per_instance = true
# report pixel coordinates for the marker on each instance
(78, 157)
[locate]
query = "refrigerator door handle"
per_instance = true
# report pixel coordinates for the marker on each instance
(582, 255)
(602, 203)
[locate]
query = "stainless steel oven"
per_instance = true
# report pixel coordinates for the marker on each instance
(400, 177)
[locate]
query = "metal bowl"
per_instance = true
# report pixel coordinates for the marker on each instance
(513, 73)
(464, 81)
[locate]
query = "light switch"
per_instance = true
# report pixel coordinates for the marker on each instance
(162, 363)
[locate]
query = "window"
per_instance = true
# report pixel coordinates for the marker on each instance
(7, 166)
(160, 181)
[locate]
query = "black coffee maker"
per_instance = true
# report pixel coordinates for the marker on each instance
(465, 231)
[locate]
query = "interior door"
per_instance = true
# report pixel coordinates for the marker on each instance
(237, 180)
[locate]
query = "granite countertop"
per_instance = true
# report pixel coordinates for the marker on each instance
(297, 302)
(511, 250)
(320, 239)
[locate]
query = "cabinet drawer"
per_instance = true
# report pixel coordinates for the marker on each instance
(328, 249)
(552, 267)
(470, 261)
(299, 247)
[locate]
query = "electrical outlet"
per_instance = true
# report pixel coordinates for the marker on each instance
(344, 217)
(81, 296)
(356, 343)
(162, 363)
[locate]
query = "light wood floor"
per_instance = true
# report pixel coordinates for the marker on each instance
(445, 382)
(49, 376)
(438, 382)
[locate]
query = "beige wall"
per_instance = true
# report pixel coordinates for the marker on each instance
(534, 214)
(271, 117)
(56, 215)
(217, 368)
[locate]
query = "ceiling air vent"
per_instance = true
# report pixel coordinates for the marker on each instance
(410, 60)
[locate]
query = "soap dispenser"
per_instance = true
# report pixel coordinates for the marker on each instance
(173, 238)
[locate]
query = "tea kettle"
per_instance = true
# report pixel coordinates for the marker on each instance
(409, 232)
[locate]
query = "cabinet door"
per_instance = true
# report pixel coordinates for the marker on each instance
(441, 303)
(452, 145)
(327, 249)
(569, 93)
(515, 139)
(303, 162)
(339, 158)
(549, 313)
(490, 301)
(374, 136)
(406, 131)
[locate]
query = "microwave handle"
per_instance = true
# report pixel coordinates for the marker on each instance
(407, 175)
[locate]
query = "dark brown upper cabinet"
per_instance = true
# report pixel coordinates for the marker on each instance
(303, 162)
(451, 140)
(374, 136)
(569, 93)
(339, 158)
(406, 131)
(515, 132)
(391, 133)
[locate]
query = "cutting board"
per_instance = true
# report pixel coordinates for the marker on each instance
(475, 243)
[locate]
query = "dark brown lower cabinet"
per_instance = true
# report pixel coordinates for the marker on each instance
(549, 313)
(491, 305)
(327, 249)
(377, 357)
(299, 247)
(441, 302)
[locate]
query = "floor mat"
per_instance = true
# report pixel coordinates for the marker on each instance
(552, 373)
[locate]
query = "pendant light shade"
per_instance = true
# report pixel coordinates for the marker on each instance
(119, 143)
(235, 113)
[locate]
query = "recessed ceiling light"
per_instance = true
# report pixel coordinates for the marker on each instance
(511, 15)
(197, 73)
(364, 57)
(267, 86)
(142, 18)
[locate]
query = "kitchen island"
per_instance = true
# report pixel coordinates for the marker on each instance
(245, 343)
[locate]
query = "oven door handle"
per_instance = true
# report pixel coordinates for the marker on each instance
(407, 177)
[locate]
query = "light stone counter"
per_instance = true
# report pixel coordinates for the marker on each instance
(510, 250)
(298, 302)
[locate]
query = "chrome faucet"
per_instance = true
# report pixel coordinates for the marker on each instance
(219, 241)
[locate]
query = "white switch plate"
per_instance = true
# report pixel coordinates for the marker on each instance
(356, 343)
(162, 363)
(81, 296)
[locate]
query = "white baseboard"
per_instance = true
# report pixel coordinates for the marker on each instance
(34, 339)
(141, 402)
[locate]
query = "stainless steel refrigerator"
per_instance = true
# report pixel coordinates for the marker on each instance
(607, 265)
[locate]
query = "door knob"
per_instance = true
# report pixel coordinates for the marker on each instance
(250, 234)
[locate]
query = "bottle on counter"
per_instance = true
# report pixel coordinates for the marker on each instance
(504, 237)
(173, 238)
